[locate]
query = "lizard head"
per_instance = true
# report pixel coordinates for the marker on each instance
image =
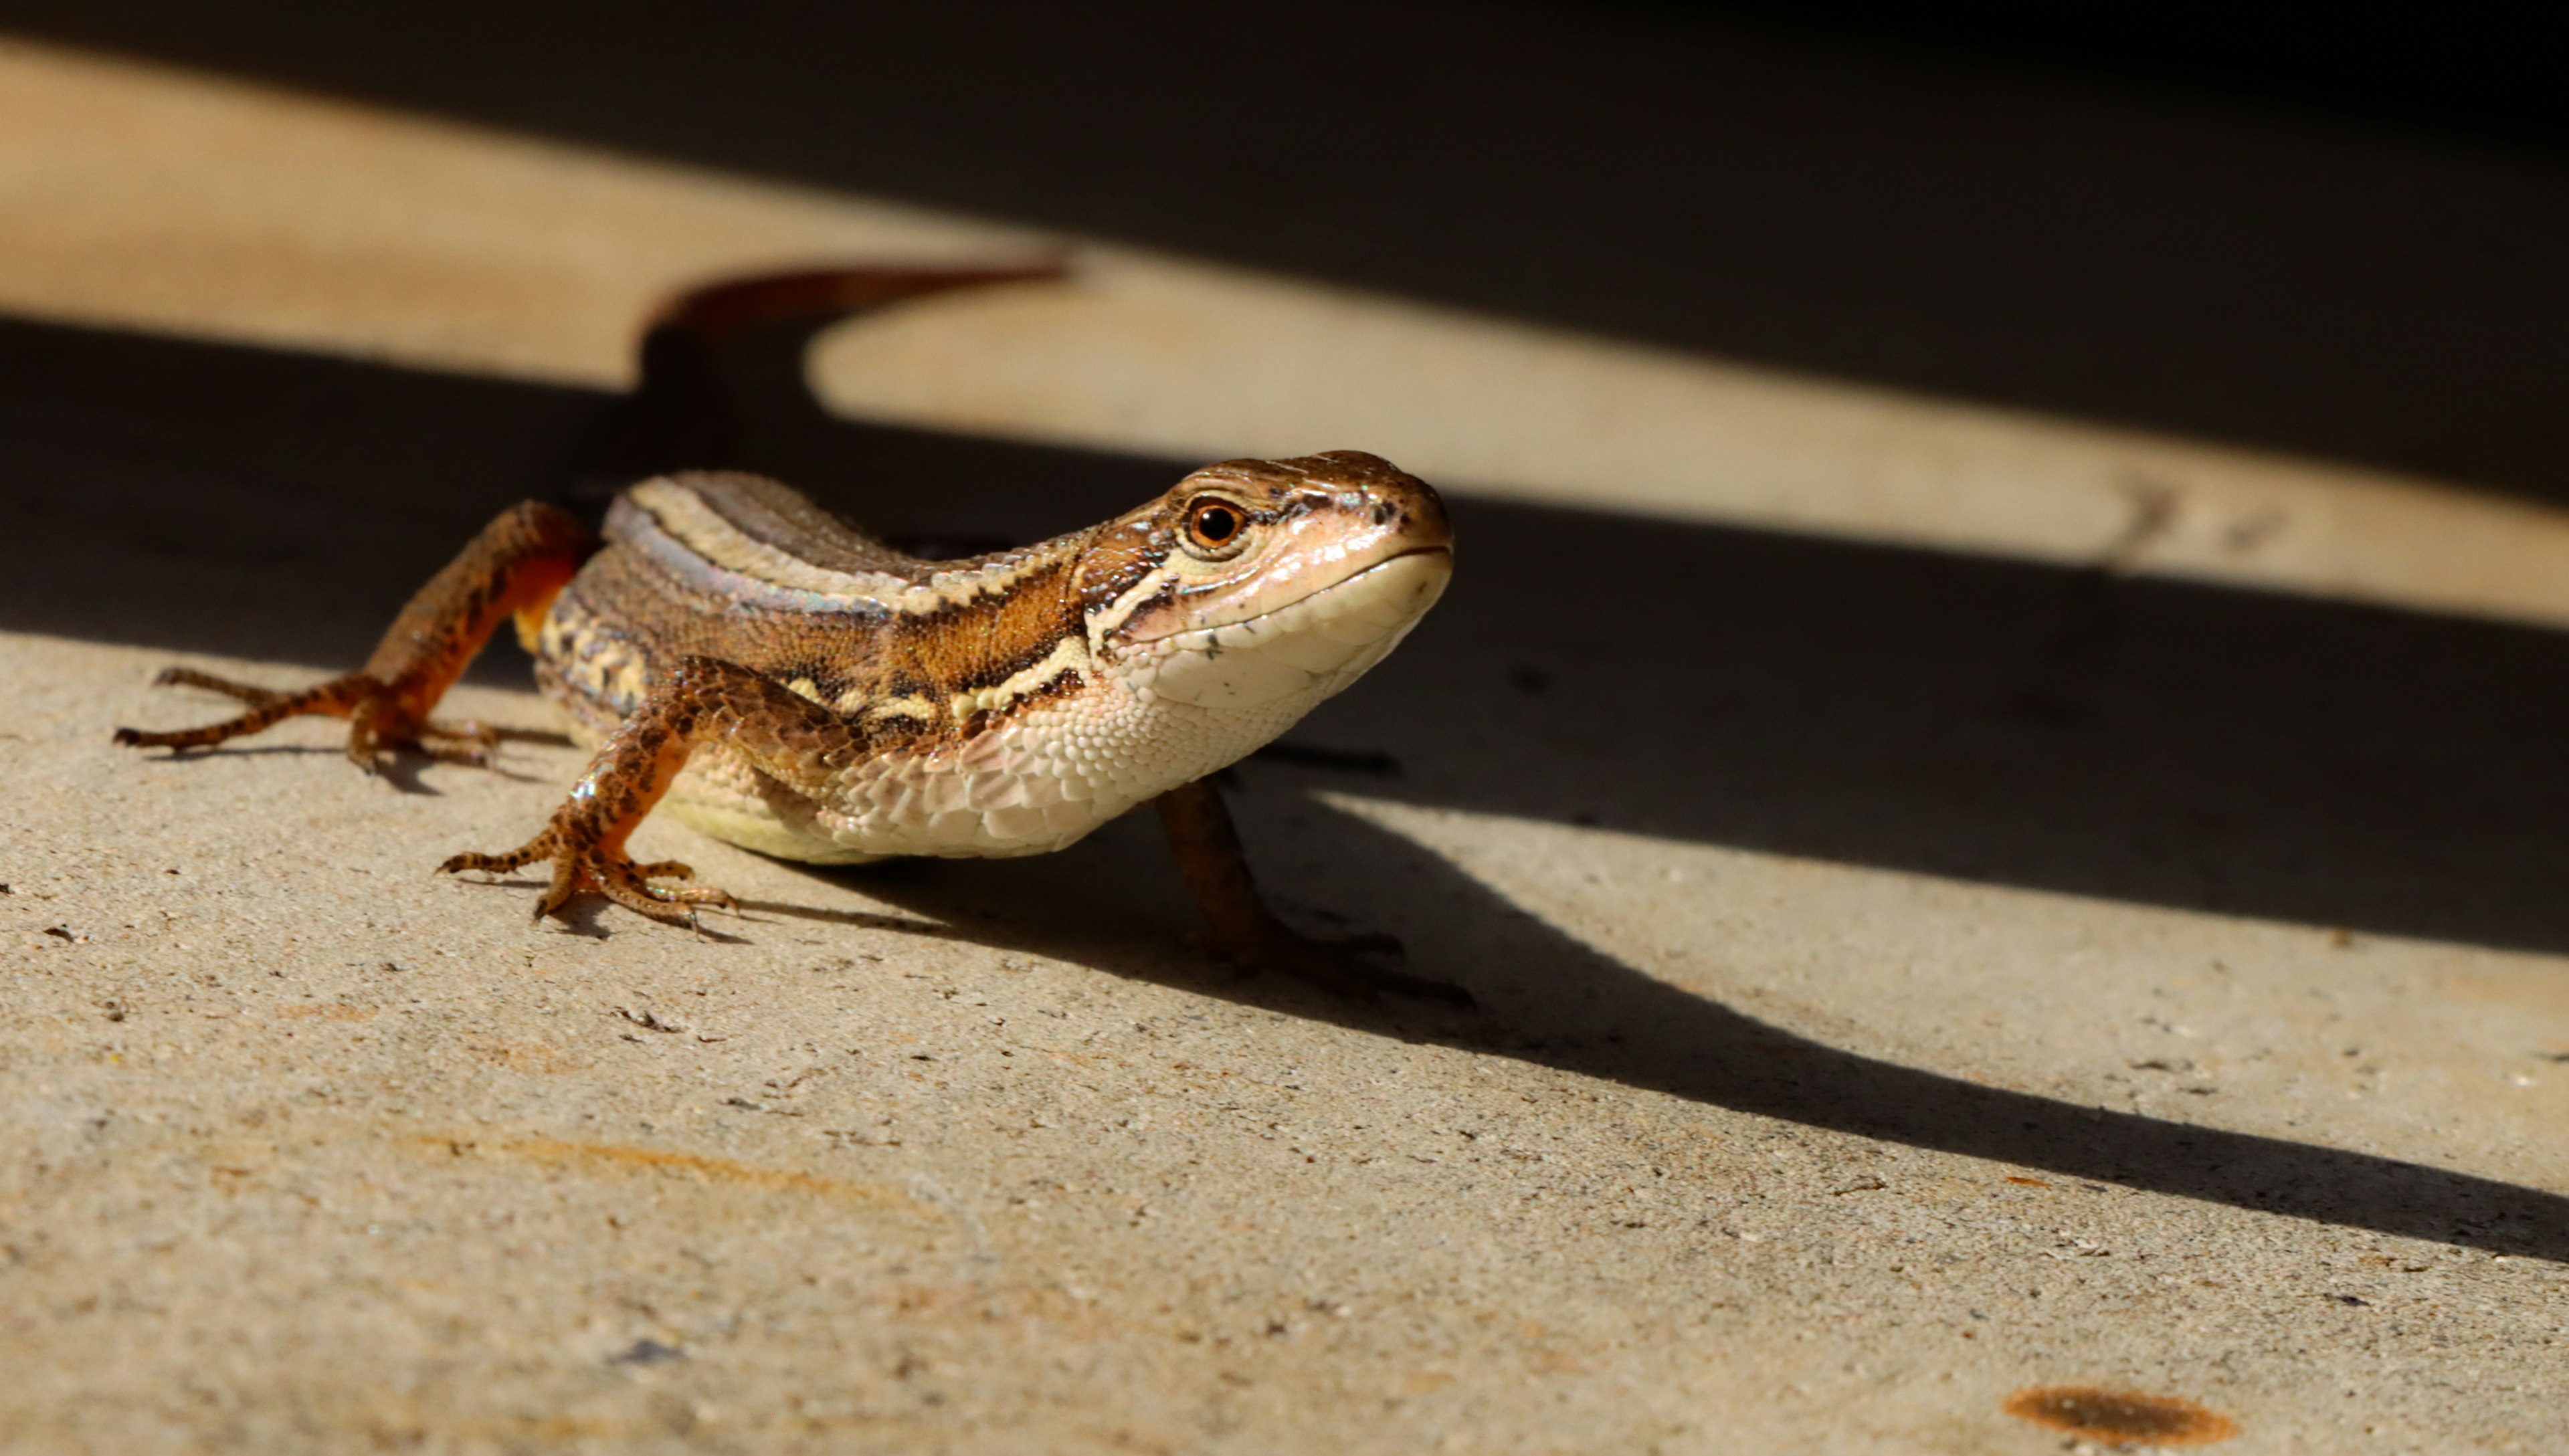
(1258, 582)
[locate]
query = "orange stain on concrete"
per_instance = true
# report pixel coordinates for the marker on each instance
(328, 1012)
(619, 1157)
(2124, 1417)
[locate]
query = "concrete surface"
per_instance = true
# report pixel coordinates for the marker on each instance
(1950, 921)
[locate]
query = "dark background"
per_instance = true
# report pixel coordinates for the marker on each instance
(2331, 232)
(2469, 72)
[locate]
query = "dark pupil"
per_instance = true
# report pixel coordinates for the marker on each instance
(1214, 524)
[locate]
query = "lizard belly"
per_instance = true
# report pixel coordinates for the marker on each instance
(1041, 779)
(1039, 782)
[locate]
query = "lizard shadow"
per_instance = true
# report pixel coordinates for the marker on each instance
(1548, 998)
(250, 750)
(932, 930)
(403, 770)
(400, 773)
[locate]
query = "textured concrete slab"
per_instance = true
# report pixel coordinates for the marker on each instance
(1912, 977)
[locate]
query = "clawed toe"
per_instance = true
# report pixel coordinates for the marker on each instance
(628, 878)
(250, 693)
(691, 895)
(538, 847)
(624, 885)
(669, 906)
(488, 864)
(578, 867)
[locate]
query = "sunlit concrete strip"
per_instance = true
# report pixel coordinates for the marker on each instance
(152, 199)
(1194, 361)
(155, 198)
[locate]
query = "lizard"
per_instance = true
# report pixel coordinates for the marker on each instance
(779, 679)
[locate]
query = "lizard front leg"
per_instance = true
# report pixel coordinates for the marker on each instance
(514, 568)
(704, 700)
(1206, 846)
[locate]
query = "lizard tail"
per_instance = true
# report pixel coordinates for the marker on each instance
(682, 414)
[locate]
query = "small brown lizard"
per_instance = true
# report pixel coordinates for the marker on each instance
(786, 682)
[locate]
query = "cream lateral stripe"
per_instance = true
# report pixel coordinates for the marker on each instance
(911, 706)
(1067, 655)
(685, 518)
(1121, 609)
(693, 523)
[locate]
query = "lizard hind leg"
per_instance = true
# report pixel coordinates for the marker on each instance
(514, 568)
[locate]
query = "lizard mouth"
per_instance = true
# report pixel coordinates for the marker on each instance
(1176, 626)
(1313, 645)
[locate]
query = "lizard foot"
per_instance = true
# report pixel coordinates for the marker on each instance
(338, 697)
(379, 721)
(581, 863)
(1336, 964)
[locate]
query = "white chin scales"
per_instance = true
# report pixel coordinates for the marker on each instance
(1312, 648)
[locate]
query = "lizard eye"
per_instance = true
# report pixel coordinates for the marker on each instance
(1216, 526)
